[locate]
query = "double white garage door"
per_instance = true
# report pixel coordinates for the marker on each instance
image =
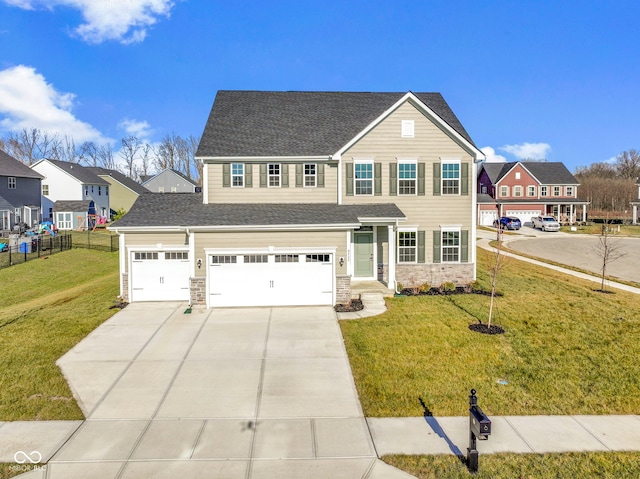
(236, 280)
(523, 215)
(271, 279)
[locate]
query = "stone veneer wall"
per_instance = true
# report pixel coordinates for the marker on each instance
(125, 287)
(198, 291)
(434, 274)
(343, 289)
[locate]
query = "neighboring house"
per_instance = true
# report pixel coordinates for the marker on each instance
(305, 194)
(528, 188)
(123, 191)
(169, 181)
(64, 181)
(19, 194)
(635, 205)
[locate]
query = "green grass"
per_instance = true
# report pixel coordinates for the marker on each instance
(596, 229)
(567, 350)
(103, 239)
(618, 465)
(48, 306)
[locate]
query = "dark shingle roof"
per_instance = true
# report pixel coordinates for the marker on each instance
(546, 172)
(120, 178)
(82, 174)
(263, 123)
(485, 198)
(9, 166)
(71, 205)
(5, 205)
(187, 209)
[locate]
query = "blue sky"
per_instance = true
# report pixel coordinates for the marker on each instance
(528, 79)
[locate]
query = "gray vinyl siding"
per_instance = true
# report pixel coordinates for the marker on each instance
(325, 192)
(425, 211)
(278, 239)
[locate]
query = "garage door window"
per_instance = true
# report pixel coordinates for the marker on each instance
(177, 255)
(142, 256)
(223, 259)
(256, 258)
(286, 258)
(317, 258)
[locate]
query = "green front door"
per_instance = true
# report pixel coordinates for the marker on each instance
(363, 254)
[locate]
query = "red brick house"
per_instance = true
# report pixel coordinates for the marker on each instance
(528, 188)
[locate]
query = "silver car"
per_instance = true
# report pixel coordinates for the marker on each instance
(545, 223)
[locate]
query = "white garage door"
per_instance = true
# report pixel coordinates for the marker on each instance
(488, 217)
(523, 215)
(271, 279)
(159, 276)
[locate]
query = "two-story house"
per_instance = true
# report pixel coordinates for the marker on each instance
(305, 194)
(169, 181)
(123, 191)
(528, 188)
(71, 193)
(635, 205)
(19, 194)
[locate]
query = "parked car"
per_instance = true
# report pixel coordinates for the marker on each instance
(545, 223)
(508, 222)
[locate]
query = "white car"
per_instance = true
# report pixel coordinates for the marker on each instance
(545, 223)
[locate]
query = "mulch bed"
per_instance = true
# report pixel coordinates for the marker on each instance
(446, 292)
(353, 306)
(484, 329)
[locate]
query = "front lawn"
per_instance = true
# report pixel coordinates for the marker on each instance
(567, 350)
(49, 305)
(596, 229)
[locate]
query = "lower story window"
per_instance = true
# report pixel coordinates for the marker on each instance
(450, 246)
(407, 246)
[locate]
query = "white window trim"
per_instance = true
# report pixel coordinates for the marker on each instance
(241, 175)
(515, 191)
(444, 229)
(408, 129)
(270, 175)
(534, 190)
(450, 161)
(415, 180)
(372, 179)
(506, 189)
(569, 191)
(544, 191)
(314, 176)
(558, 189)
(406, 230)
(11, 182)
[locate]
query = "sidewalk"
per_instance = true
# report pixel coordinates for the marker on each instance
(516, 434)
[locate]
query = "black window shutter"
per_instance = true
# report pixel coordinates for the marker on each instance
(436, 179)
(436, 246)
(393, 179)
(226, 175)
(349, 167)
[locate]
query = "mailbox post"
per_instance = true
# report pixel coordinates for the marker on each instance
(479, 428)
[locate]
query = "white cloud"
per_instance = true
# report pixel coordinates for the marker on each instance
(28, 101)
(139, 129)
(491, 155)
(526, 151)
(125, 21)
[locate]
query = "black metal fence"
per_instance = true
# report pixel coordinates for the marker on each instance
(33, 247)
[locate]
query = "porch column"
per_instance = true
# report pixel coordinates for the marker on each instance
(584, 213)
(392, 257)
(634, 214)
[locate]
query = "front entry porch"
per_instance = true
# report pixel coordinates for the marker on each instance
(372, 257)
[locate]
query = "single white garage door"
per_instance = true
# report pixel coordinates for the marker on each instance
(488, 217)
(159, 276)
(271, 279)
(523, 215)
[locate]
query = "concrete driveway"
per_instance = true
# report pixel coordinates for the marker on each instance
(234, 393)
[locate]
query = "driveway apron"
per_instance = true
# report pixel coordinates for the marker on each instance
(233, 393)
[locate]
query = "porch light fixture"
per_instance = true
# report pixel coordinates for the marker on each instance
(341, 261)
(199, 263)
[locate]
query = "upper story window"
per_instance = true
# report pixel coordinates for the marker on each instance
(363, 178)
(504, 191)
(407, 177)
(160, 189)
(556, 191)
(237, 175)
(273, 175)
(451, 246)
(106, 191)
(483, 189)
(569, 190)
(450, 177)
(174, 189)
(517, 191)
(517, 175)
(543, 191)
(12, 182)
(86, 191)
(45, 190)
(99, 190)
(407, 246)
(310, 172)
(408, 128)
(531, 190)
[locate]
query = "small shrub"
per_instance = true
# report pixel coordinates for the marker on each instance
(425, 287)
(448, 287)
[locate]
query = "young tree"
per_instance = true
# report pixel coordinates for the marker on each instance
(496, 264)
(608, 250)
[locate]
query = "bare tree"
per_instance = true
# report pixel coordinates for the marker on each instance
(167, 153)
(146, 157)
(105, 157)
(129, 153)
(628, 164)
(608, 250)
(496, 264)
(89, 153)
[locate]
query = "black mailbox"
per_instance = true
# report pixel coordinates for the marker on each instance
(480, 423)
